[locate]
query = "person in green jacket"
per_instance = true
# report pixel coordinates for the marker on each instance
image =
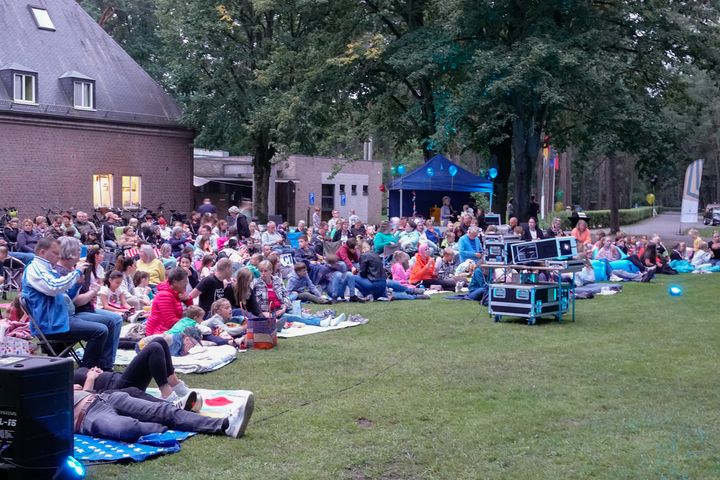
(384, 238)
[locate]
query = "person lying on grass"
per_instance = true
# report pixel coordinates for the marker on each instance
(153, 362)
(116, 415)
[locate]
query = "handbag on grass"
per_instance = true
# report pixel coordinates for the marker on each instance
(261, 331)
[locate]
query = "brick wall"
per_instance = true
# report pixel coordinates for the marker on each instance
(51, 164)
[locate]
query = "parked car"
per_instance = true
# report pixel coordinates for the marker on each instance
(712, 214)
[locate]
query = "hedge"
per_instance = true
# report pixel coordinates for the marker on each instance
(601, 218)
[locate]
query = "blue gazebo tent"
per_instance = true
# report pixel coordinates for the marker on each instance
(429, 191)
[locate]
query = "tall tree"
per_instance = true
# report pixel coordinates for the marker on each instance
(134, 25)
(539, 67)
(245, 72)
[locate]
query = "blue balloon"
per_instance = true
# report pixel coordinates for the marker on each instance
(493, 172)
(429, 171)
(452, 170)
(675, 290)
(401, 169)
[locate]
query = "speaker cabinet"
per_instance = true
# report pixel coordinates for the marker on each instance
(36, 415)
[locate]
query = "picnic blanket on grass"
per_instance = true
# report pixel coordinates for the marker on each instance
(300, 329)
(216, 403)
(92, 449)
(213, 358)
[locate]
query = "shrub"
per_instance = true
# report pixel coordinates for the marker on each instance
(601, 218)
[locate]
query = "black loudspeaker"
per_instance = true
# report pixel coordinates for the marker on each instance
(36, 415)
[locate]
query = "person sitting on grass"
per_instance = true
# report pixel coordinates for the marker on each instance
(470, 246)
(478, 285)
(702, 257)
(302, 288)
(446, 264)
(401, 268)
(149, 263)
(272, 298)
(224, 328)
(167, 306)
(409, 238)
(118, 416)
(423, 271)
(608, 251)
(348, 254)
(112, 297)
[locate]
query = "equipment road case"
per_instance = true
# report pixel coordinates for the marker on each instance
(529, 301)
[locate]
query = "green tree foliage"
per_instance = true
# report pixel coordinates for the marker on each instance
(246, 72)
(134, 25)
(594, 73)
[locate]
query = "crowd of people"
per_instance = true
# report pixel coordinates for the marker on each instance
(191, 285)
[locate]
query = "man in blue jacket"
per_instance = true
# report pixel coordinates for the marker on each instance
(47, 295)
(470, 246)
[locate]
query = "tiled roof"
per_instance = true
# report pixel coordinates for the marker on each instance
(124, 92)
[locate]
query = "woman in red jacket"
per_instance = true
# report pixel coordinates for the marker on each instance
(423, 271)
(167, 306)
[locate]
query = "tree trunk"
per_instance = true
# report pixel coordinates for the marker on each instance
(526, 129)
(503, 153)
(612, 194)
(262, 167)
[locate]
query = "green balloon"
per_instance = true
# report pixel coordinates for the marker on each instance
(393, 171)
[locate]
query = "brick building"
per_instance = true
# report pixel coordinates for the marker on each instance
(81, 124)
(333, 183)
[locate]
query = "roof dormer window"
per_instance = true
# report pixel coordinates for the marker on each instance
(84, 94)
(79, 88)
(42, 18)
(25, 88)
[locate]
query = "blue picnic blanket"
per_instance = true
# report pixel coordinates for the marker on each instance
(92, 449)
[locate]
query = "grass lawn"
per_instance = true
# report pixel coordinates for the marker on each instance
(434, 389)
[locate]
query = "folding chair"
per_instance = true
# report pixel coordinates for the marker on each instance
(48, 346)
(11, 270)
(330, 248)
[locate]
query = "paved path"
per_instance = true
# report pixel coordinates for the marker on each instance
(667, 225)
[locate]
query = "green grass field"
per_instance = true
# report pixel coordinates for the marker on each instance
(434, 389)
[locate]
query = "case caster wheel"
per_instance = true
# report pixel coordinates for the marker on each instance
(497, 318)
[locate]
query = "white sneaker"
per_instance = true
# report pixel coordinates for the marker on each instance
(239, 418)
(337, 320)
(325, 322)
(192, 402)
(181, 389)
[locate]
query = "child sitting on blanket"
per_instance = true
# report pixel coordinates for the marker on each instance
(300, 287)
(223, 326)
(401, 268)
(111, 296)
(142, 290)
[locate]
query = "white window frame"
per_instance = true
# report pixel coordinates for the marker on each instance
(20, 89)
(98, 186)
(83, 95)
(129, 193)
(42, 18)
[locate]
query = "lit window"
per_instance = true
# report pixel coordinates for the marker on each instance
(83, 94)
(131, 192)
(102, 190)
(42, 18)
(24, 90)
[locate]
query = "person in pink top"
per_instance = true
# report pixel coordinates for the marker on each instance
(401, 268)
(167, 306)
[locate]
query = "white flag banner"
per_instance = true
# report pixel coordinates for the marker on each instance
(691, 192)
